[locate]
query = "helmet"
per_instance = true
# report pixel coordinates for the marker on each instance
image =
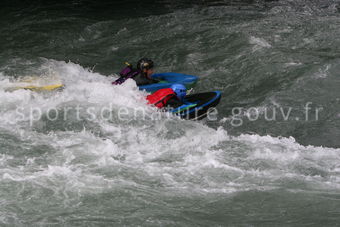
(144, 63)
(180, 90)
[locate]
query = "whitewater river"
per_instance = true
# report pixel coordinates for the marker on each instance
(271, 157)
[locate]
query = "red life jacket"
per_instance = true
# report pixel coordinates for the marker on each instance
(161, 97)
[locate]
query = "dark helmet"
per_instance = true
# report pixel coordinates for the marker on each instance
(144, 63)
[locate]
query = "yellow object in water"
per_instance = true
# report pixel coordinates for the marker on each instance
(40, 88)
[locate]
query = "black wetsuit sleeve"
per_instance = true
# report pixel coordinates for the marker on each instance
(144, 81)
(174, 103)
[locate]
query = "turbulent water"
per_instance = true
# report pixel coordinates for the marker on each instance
(271, 158)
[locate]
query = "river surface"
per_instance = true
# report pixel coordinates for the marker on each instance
(270, 157)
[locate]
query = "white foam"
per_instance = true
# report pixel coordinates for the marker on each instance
(4, 158)
(323, 72)
(289, 64)
(294, 160)
(177, 153)
(258, 43)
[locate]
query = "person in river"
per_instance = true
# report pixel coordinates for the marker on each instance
(168, 97)
(142, 75)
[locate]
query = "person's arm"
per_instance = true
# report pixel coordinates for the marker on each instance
(174, 103)
(155, 81)
(140, 81)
